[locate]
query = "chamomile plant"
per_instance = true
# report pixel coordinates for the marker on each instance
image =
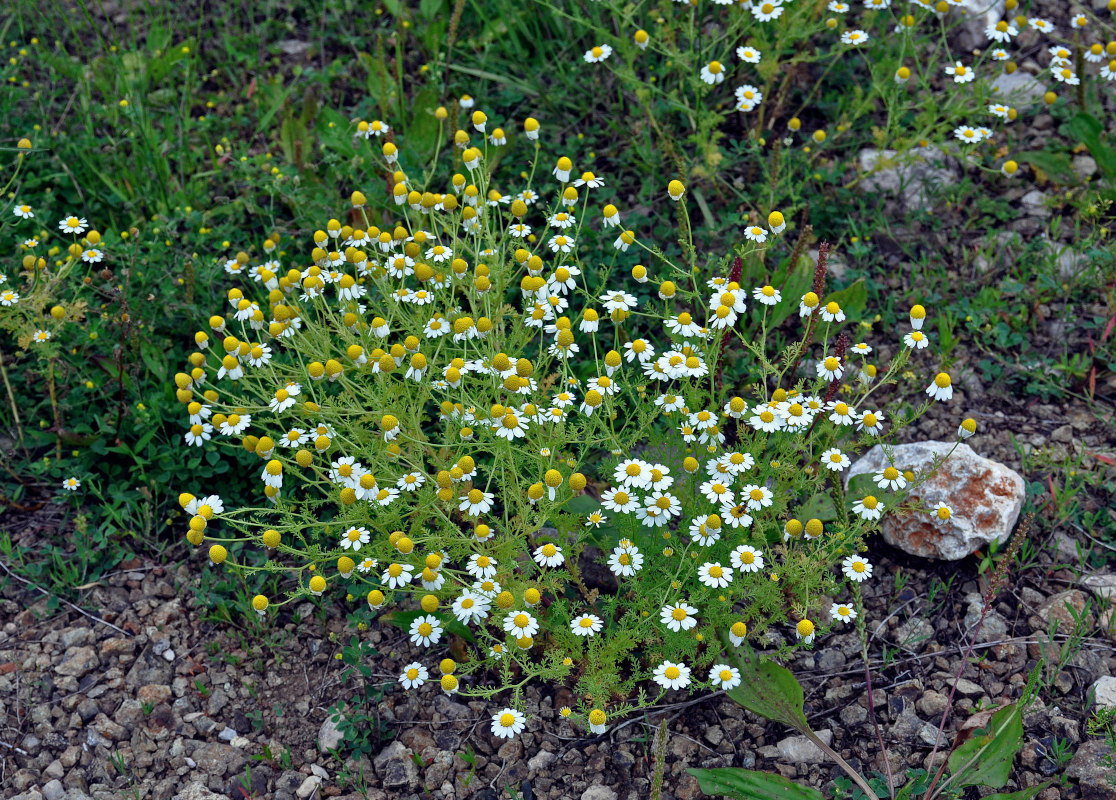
(499, 417)
(786, 91)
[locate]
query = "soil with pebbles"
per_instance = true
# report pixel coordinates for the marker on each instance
(193, 710)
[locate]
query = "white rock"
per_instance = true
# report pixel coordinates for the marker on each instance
(984, 495)
(1018, 89)
(911, 175)
(599, 792)
(309, 786)
(330, 735)
(1104, 692)
(1034, 203)
(1102, 585)
(976, 20)
(191, 763)
(800, 750)
(315, 769)
(52, 790)
(541, 760)
(196, 790)
(168, 655)
(240, 742)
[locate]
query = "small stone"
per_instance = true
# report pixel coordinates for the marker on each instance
(853, 714)
(396, 767)
(197, 790)
(913, 175)
(1101, 584)
(1089, 769)
(113, 648)
(168, 655)
(78, 661)
(800, 750)
(154, 693)
(967, 688)
(1035, 203)
(219, 759)
(599, 792)
(240, 742)
(227, 734)
(1104, 692)
(74, 637)
(54, 770)
(1062, 607)
(149, 668)
(985, 496)
(217, 701)
(1018, 89)
(52, 790)
(308, 786)
(330, 735)
(1084, 166)
(932, 703)
(541, 760)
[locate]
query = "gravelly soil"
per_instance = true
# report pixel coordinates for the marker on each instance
(187, 706)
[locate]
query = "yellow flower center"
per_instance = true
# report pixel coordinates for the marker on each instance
(425, 629)
(521, 620)
(672, 673)
(679, 614)
(507, 720)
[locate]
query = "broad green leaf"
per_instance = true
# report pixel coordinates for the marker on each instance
(799, 281)
(582, 504)
(770, 691)
(1022, 794)
(422, 133)
(751, 785)
(852, 299)
(1088, 129)
(1055, 165)
(984, 758)
(820, 506)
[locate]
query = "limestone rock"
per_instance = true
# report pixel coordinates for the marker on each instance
(800, 750)
(78, 661)
(330, 735)
(1062, 607)
(1101, 584)
(396, 767)
(985, 496)
(1018, 89)
(912, 175)
(1104, 693)
(599, 792)
(1091, 772)
(198, 791)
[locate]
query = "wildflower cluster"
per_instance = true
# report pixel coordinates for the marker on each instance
(727, 58)
(475, 410)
